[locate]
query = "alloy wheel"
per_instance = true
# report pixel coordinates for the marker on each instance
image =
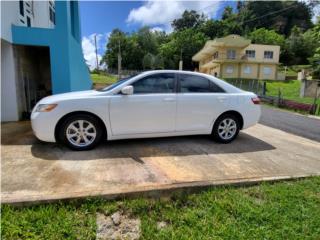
(81, 133)
(227, 128)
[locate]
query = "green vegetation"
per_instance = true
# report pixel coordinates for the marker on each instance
(292, 71)
(103, 78)
(284, 210)
(289, 90)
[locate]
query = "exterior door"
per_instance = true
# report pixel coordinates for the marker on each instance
(199, 102)
(150, 109)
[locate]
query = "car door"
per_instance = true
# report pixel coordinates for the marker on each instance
(199, 101)
(150, 109)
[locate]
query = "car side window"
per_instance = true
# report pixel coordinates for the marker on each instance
(195, 84)
(156, 83)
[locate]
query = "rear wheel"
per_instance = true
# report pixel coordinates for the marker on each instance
(226, 128)
(81, 132)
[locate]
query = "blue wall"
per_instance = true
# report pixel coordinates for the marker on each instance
(69, 71)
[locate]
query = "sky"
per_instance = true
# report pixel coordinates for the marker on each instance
(101, 17)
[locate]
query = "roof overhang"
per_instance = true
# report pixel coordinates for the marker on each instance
(211, 46)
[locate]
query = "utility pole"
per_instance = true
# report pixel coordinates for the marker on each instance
(119, 59)
(95, 43)
(180, 62)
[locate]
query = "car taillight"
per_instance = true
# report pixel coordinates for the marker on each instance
(255, 100)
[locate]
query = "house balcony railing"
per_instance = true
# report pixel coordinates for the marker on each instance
(237, 58)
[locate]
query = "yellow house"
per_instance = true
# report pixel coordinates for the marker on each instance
(235, 57)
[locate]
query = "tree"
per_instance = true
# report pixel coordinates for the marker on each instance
(265, 36)
(299, 46)
(148, 61)
(147, 40)
(185, 44)
(116, 38)
(315, 58)
(227, 12)
(158, 62)
(283, 15)
(212, 28)
(189, 19)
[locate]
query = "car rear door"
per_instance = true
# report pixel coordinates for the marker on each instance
(199, 102)
(150, 109)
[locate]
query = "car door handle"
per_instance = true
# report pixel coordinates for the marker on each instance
(169, 99)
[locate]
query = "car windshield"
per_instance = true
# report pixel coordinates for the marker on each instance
(112, 86)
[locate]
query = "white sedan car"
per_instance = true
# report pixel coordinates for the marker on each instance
(152, 104)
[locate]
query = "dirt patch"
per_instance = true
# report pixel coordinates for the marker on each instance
(117, 226)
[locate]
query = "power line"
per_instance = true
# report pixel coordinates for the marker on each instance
(268, 14)
(251, 20)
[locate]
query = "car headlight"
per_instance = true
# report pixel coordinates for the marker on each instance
(45, 107)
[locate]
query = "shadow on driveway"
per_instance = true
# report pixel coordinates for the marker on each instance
(154, 147)
(20, 134)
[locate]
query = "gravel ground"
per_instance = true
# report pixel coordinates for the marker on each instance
(297, 124)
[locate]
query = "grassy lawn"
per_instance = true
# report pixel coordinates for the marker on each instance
(103, 79)
(284, 210)
(292, 71)
(289, 89)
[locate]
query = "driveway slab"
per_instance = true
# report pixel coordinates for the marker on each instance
(37, 171)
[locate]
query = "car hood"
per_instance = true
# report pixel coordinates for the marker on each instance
(68, 96)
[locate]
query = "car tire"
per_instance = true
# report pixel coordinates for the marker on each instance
(226, 128)
(81, 132)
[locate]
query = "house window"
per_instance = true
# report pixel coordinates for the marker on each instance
(231, 54)
(268, 54)
(28, 22)
(247, 70)
(267, 70)
(21, 7)
(216, 55)
(251, 53)
(52, 13)
(229, 69)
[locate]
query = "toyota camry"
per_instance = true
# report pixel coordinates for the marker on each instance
(152, 104)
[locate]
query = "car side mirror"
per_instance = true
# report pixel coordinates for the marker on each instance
(127, 90)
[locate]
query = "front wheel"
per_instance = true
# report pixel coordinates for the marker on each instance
(81, 132)
(226, 128)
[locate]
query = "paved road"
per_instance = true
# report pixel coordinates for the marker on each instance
(292, 123)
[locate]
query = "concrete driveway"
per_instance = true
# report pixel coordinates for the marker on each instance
(36, 171)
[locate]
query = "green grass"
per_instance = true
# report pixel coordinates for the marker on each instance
(284, 210)
(292, 71)
(289, 90)
(103, 79)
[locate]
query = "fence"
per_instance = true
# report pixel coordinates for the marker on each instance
(259, 87)
(124, 72)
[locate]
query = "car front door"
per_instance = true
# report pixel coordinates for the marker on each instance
(199, 101)
(150, 109)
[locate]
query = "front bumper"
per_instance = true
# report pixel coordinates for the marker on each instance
(43, 125)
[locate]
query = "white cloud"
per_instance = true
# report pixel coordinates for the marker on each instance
(156, 29)
(89, 51)
(315, 11)
(155, 12)
(316, 14)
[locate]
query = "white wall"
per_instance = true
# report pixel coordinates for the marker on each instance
(9, 105)
(41, 15)
(10, 14)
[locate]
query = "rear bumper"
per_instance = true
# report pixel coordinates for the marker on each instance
(252, 116)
